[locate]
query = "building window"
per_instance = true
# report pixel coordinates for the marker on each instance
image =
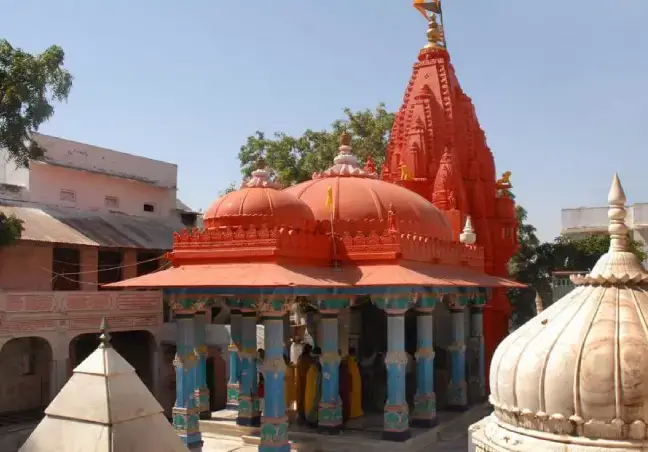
(111, 202)
(147, 262)
(148, 207)
(66, 266)
(109, 267)
(68, 196)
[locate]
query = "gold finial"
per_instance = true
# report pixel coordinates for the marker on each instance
(617, 214)
(430, 9)
(105, 335)
(345, 139)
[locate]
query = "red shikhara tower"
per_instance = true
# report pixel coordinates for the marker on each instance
(438, 150)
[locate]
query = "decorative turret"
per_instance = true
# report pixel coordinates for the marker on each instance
(468, 236)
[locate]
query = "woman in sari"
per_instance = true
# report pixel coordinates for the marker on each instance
(312, 393)
(355, 409)
(303, 364)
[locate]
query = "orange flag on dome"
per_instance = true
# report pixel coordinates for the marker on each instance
(423, 6)
(329, 198)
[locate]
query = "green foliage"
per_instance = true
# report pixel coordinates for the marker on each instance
(295, 159)
(229, 189)
(11, 229)
(535, 262)
(29, 84)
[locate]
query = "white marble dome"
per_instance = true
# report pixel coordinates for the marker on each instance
(578, 372)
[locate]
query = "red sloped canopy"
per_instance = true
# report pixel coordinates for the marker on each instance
(263, 274)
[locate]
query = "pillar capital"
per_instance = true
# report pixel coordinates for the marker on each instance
(181, 303)
(332, 304)
(395, 303)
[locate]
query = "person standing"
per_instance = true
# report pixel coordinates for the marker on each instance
(345, 387)
(303, 364)
(261, 384)
(355, 410)
(313, 389)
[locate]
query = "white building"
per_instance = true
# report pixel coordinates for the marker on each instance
(580, 221)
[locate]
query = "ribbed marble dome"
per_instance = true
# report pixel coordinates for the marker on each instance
(580, 367)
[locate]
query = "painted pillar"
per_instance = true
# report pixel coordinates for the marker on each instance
(202, 391)
(396, 415)
(186, 412)
(477, 368)
(425, 399)
(457, 392)
(234, 381)
(274, 431)
(330, 406)
(249, 414)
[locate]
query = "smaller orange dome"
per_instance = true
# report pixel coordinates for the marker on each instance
(258, 202)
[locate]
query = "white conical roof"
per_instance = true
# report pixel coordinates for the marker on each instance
(104, 407)
(577, 373)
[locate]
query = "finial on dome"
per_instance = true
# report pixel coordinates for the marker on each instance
(538, 303)
(261, 163)
(345, 139)
(468, 236)
(617, 214)
(260, 177)
(105, 335)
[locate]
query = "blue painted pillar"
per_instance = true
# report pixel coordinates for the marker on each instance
(396, 415)
(186, 411)
(234, 381)
(424, 415)
(330, 406)
(202, 391)
(457, 390)
(477, 375)
(274, 431)
(249, 414)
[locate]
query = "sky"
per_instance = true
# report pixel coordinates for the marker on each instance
(560, 88)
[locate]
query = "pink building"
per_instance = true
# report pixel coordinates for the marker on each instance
(92, 216)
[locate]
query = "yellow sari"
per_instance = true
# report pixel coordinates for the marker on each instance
(312, 394)
(290, 387)
(356, 388)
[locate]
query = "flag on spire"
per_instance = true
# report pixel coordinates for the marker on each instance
(428, 6)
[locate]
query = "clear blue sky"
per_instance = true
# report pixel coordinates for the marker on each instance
(561, 88)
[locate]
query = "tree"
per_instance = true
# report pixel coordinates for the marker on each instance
(11, 229)
(581, 254)
(295, 159)
(229, 189)
(29, 84)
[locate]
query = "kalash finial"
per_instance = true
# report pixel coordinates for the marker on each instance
(345, 141)
(430, 9)
(617, 214)
(105, 335)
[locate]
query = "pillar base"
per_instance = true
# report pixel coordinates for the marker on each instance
(274, 435)
(196, 447)
(233, 390)
(425, 423)
(185, 423)
(396, 436)
(329, 417)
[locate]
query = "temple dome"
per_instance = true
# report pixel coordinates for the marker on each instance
(361, 199)
(580, 367)
(259, 201)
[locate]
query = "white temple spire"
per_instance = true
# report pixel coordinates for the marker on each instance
(468, 236)
(617, 214)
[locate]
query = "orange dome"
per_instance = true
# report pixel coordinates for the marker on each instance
(360, 198)
(258, 202)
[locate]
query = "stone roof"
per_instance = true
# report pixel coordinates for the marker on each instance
(104, 407)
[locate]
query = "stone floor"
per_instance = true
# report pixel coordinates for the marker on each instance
(451, 437)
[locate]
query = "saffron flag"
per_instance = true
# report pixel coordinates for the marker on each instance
(329, 199)
(433, 6)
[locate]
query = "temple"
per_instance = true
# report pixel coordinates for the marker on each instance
(406, 267)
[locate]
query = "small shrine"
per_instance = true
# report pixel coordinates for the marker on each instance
(574, 377)
(104, 407)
